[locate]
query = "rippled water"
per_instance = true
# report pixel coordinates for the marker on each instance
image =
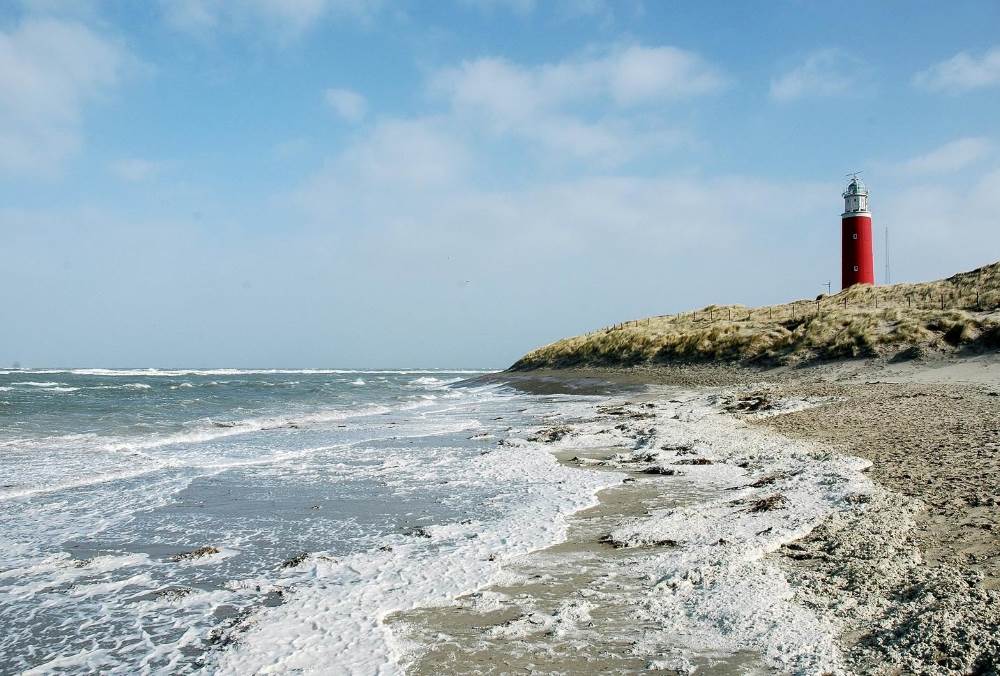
(341, 494)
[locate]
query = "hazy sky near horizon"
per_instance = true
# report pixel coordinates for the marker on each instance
(365, 183)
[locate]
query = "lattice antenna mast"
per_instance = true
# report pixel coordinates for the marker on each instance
(888, 276)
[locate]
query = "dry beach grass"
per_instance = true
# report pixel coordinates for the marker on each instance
(958, 313)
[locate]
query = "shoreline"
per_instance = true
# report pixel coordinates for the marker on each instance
(563, 604)
(857, 569)
(547, 596)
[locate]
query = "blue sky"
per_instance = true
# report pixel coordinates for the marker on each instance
(365, 183)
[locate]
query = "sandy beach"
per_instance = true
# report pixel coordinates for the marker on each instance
(840, 518)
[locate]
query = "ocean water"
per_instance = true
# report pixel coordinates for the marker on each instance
(321, 500)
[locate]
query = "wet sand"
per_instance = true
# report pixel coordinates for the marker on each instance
(567, 609)
(911, 580)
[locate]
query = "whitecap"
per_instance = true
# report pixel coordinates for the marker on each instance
(340, 621)
(426, 380)
(168, 373)
(433, 382)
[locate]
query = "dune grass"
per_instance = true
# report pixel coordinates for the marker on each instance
(958, 313)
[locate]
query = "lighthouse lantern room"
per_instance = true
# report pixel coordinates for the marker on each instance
(858, 263)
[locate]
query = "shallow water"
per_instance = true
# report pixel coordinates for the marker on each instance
(390, 481)
(572, 607)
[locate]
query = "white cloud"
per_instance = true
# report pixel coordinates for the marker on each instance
(588, 107)
(950, 157)
(628, 76)
(437, 201)
(135, 169)
(420, 153)
(620, 242)
(646, 74)
(435, 169)
(396, 155)
(827, 72)
(962, 72)
(281, 19)
(586, 113)
(346, 103)
(49, 71)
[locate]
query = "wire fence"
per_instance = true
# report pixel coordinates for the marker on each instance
(972, 300)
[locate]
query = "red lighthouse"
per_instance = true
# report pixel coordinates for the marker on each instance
(858, 263)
